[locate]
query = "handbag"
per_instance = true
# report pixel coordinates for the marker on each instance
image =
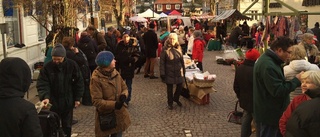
(235, 116)
(107, 120)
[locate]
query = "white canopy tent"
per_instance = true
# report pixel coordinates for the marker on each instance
(149, 14)
(138, 19)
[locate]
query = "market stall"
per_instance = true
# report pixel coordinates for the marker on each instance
(200, 84)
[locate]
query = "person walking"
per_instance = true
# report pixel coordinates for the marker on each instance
(316, 30)
(151, 45)
(97, 37)
(109, 92)
(127, 54)
(270, 89)
(60, 83)
(18, 117)
(172, 68)
(198, 48)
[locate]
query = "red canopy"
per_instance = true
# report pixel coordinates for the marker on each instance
(174, 12)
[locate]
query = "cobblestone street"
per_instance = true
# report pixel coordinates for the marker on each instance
(151, 118)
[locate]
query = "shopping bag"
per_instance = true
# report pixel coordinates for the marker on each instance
(235, 115)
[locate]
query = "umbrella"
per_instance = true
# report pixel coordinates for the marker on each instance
(137, 19)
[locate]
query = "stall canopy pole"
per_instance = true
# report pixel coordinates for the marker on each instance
(250, 6)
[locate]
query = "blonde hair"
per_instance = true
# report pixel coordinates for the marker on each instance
(313, 75)
(298, 52)
(307, 36)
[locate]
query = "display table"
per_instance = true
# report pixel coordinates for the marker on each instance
(214, 45)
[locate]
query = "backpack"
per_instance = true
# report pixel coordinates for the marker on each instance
(50, 124)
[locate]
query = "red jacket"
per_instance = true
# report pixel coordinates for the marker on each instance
(198, 49)
(286, 114)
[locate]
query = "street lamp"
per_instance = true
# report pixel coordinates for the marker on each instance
(217, 8)
(152, 4)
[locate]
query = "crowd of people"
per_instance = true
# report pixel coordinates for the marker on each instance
(98, 69)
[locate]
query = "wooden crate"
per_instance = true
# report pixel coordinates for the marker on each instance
(203, 101)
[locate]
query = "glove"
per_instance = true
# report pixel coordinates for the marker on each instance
(118, 105)
(123, 98)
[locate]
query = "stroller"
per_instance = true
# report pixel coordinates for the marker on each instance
(50, 124)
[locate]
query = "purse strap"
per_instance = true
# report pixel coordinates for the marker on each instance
(236, 107)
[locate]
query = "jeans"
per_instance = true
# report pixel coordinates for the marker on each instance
(129, 85)
(119, 134)
(264, 130)
(199, 65)
(246, 124)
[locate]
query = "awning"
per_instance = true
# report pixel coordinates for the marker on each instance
(231, 14)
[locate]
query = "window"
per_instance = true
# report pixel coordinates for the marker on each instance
(168, 7)
(177, 6)
(159, 7)
(12, 18)
(254, 17)
(41, 33)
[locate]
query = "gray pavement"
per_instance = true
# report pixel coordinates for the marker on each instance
(151, 118)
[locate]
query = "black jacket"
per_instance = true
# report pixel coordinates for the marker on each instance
(89, 48)
(126, 56)
(243, 85)
(111, 42)
(305, 119)
(18, 117)
(151, 43)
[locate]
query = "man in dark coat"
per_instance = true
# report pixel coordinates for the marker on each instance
(18, 117)
(127, 53)
(242, 86)
(89, 48)
(98, 38)
(60, 83)
(151, 45)
(270, 88)
(111, 39)
(316, 30)
(234, 36)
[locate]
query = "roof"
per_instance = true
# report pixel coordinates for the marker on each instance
(168, 2)
(231, 14)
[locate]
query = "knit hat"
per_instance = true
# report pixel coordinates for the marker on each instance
(126, 32)
(252, 54)
(58, 50)
(104, 58)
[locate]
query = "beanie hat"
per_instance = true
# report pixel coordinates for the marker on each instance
(104, 58)
(126, 32)
(252, 54)
(58, 50)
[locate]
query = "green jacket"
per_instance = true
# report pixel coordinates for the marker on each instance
(61, 84)
(270, 89)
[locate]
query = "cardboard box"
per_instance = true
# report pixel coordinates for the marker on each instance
(203, 101)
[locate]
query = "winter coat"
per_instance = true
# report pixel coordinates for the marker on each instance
(270, 89)
(126, 56)
(242, 85)
(111, 42)
(287, 114)
(100, 41)
(171, 63)
(103, 89)
(151, 43)
(305, 120)
(198, 49)
(234, 36)
(316, 32)
(311, 51)
(89, 48)
(62, 84)
(18, 117)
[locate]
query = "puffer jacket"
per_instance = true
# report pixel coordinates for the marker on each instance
(171, 63)
(18, 117)
(296, 66)
(198, 49)
(105, 91)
